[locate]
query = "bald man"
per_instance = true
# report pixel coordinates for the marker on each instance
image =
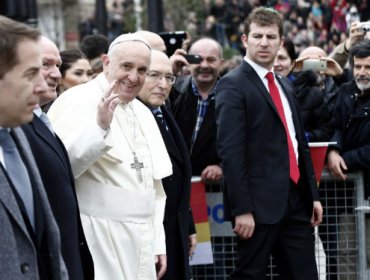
(327, 89)
(178, 219)
(313, 52)
(155, 41)
(193, 104)
(178, 60)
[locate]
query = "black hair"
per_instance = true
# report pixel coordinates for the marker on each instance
(94, 45)
(360, 50)
(290, 49)
(68, 58)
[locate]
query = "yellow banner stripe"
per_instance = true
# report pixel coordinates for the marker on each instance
(203, 232)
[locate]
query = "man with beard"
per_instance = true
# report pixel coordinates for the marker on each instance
(118, 159)
(352, 135)
(193, 104)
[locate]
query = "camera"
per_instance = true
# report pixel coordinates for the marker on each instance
(193, 58)
(315, 65)
(365, 26)
(173, 40)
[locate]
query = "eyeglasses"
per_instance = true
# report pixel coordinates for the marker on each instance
(154, 75)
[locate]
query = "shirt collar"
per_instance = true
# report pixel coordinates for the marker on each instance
(196, 91)
(261, 71)
(155, 109)
(6, 128)
(38, 111)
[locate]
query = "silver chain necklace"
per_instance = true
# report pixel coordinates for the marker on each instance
(136, 164)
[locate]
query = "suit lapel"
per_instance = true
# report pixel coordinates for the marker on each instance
(288, 92)
(178, 150)
(292, 104)
(167, 137)
(25, 151)
(44, 134)
(182, 150)
(253, 78)
(7, 198)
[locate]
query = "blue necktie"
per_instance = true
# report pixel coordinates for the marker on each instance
(159, 115)
(18, 173)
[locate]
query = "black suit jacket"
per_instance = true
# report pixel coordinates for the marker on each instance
(56, 173)
(184, 108)
(253, 147)
(178, 218)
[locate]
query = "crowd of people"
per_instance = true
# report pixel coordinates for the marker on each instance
(322, 23)
(98, 144)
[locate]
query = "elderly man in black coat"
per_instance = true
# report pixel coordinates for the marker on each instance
(178, 220)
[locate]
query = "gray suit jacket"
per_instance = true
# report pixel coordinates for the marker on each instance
(18, 257)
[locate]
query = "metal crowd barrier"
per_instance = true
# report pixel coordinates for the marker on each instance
(340, 251)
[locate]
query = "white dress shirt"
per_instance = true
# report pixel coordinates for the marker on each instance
(261, 72)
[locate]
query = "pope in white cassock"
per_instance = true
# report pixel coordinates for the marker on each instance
(118, 158)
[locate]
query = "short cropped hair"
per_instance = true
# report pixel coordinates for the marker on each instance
(11, 34)
(360, 50)
(263, 16)
(94, 45)
(68, 58)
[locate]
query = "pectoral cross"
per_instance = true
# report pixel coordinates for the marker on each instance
(137, 166)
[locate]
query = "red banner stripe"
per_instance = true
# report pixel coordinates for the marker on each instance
(198, 202)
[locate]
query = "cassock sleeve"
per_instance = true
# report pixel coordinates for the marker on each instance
(159, 235)
(74, 120)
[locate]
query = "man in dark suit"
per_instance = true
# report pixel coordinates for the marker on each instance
(56, 173)
(270, 191)
(178, 220)
(29, 236)
(193, 105)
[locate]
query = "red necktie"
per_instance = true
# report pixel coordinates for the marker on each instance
(274, 92)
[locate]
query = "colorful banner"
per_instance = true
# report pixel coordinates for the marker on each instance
(203, 252)
(318, 155)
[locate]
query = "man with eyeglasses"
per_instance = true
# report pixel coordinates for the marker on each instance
(178, 219)
(118, 159)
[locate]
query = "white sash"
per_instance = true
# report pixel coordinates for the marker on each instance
(113, 202)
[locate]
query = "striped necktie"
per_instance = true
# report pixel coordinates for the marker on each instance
(158, 114)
